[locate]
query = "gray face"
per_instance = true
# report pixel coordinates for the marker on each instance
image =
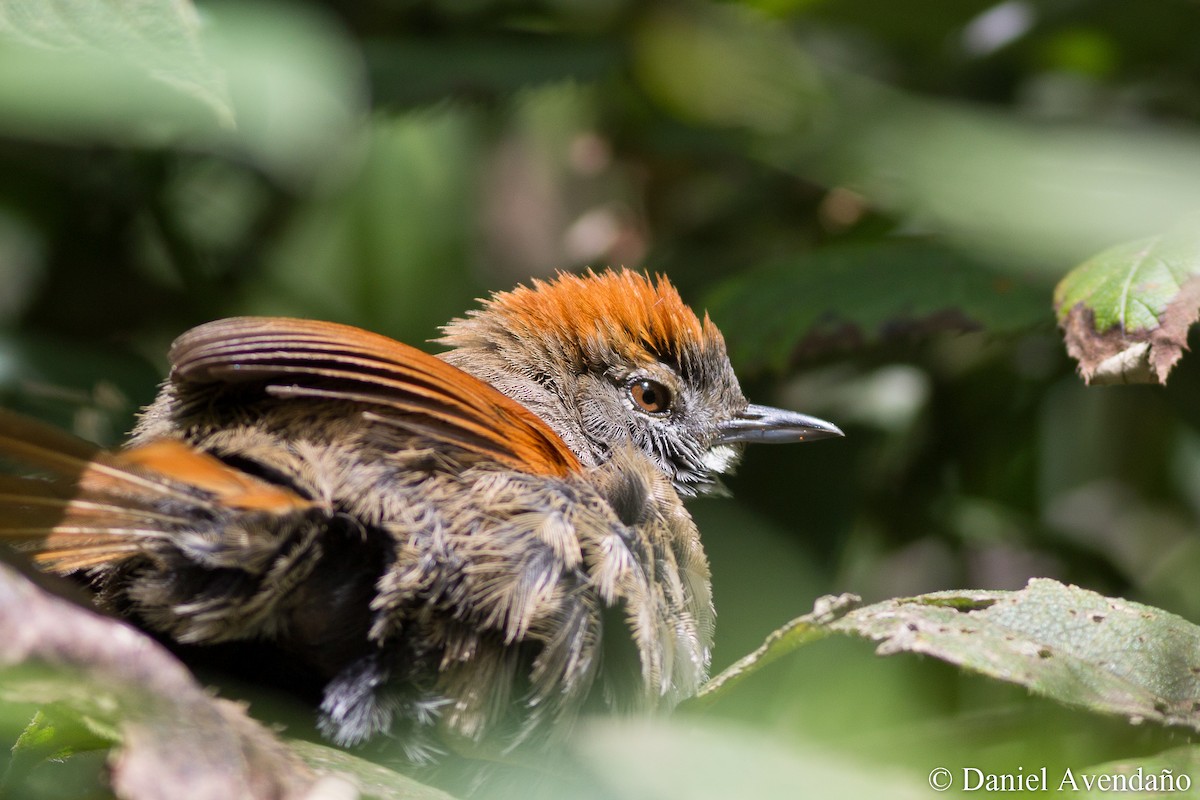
(674, 411)
(686, 412)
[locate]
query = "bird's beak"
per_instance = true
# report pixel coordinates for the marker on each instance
(774, 425)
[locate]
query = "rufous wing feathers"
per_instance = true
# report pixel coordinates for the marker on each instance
(397, 384)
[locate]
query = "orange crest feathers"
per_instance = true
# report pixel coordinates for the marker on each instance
(628, 310)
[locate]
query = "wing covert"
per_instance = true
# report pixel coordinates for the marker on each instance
(395, 383)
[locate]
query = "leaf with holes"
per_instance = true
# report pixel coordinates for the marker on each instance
(1077, 647)
(1125, 313)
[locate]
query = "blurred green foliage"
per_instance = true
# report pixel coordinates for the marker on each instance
(869, 197)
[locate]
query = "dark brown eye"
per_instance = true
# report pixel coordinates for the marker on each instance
(650, 396)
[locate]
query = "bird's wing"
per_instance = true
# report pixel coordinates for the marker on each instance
(394, 383)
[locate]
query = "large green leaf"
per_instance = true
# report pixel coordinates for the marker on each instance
(1069, 644)
(271, 83)
(1167, 774)
(160, 39)
(701, 760)
(1126, 312)
(859, 295)
(371, 779)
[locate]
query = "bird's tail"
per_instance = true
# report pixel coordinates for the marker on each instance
(74, 506)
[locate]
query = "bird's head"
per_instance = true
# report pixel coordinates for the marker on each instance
(616, 359)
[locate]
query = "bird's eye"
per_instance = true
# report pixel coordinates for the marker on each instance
(650, 396)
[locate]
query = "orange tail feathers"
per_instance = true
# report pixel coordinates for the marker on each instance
(84, 507)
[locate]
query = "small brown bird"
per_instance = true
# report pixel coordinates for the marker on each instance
(458, 548)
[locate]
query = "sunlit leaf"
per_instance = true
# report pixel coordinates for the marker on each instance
(697, 761)
(373, 780)
(53, 734)
(297, 86)
(1167, 774)
(1010, 187)
(58, 53)
(1126, 312)
(1078, 647)
(272, 83)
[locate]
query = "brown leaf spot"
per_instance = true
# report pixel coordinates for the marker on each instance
(1105, 358)
(1132, 356)
(1170, 338)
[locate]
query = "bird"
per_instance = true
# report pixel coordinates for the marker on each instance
(463, 550)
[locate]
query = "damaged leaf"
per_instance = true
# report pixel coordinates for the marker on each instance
(1080, 648)
(1125, 313)
(853, 296)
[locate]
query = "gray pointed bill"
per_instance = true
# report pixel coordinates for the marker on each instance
(775, 426)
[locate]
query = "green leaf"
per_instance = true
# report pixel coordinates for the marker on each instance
(274, 84)
(699, 760)
(49, 45)
(52, 734)
(860, 295)
(1126, 312)
(1077, 647)
(372, 779)
(297, 85)
(1167, 774)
